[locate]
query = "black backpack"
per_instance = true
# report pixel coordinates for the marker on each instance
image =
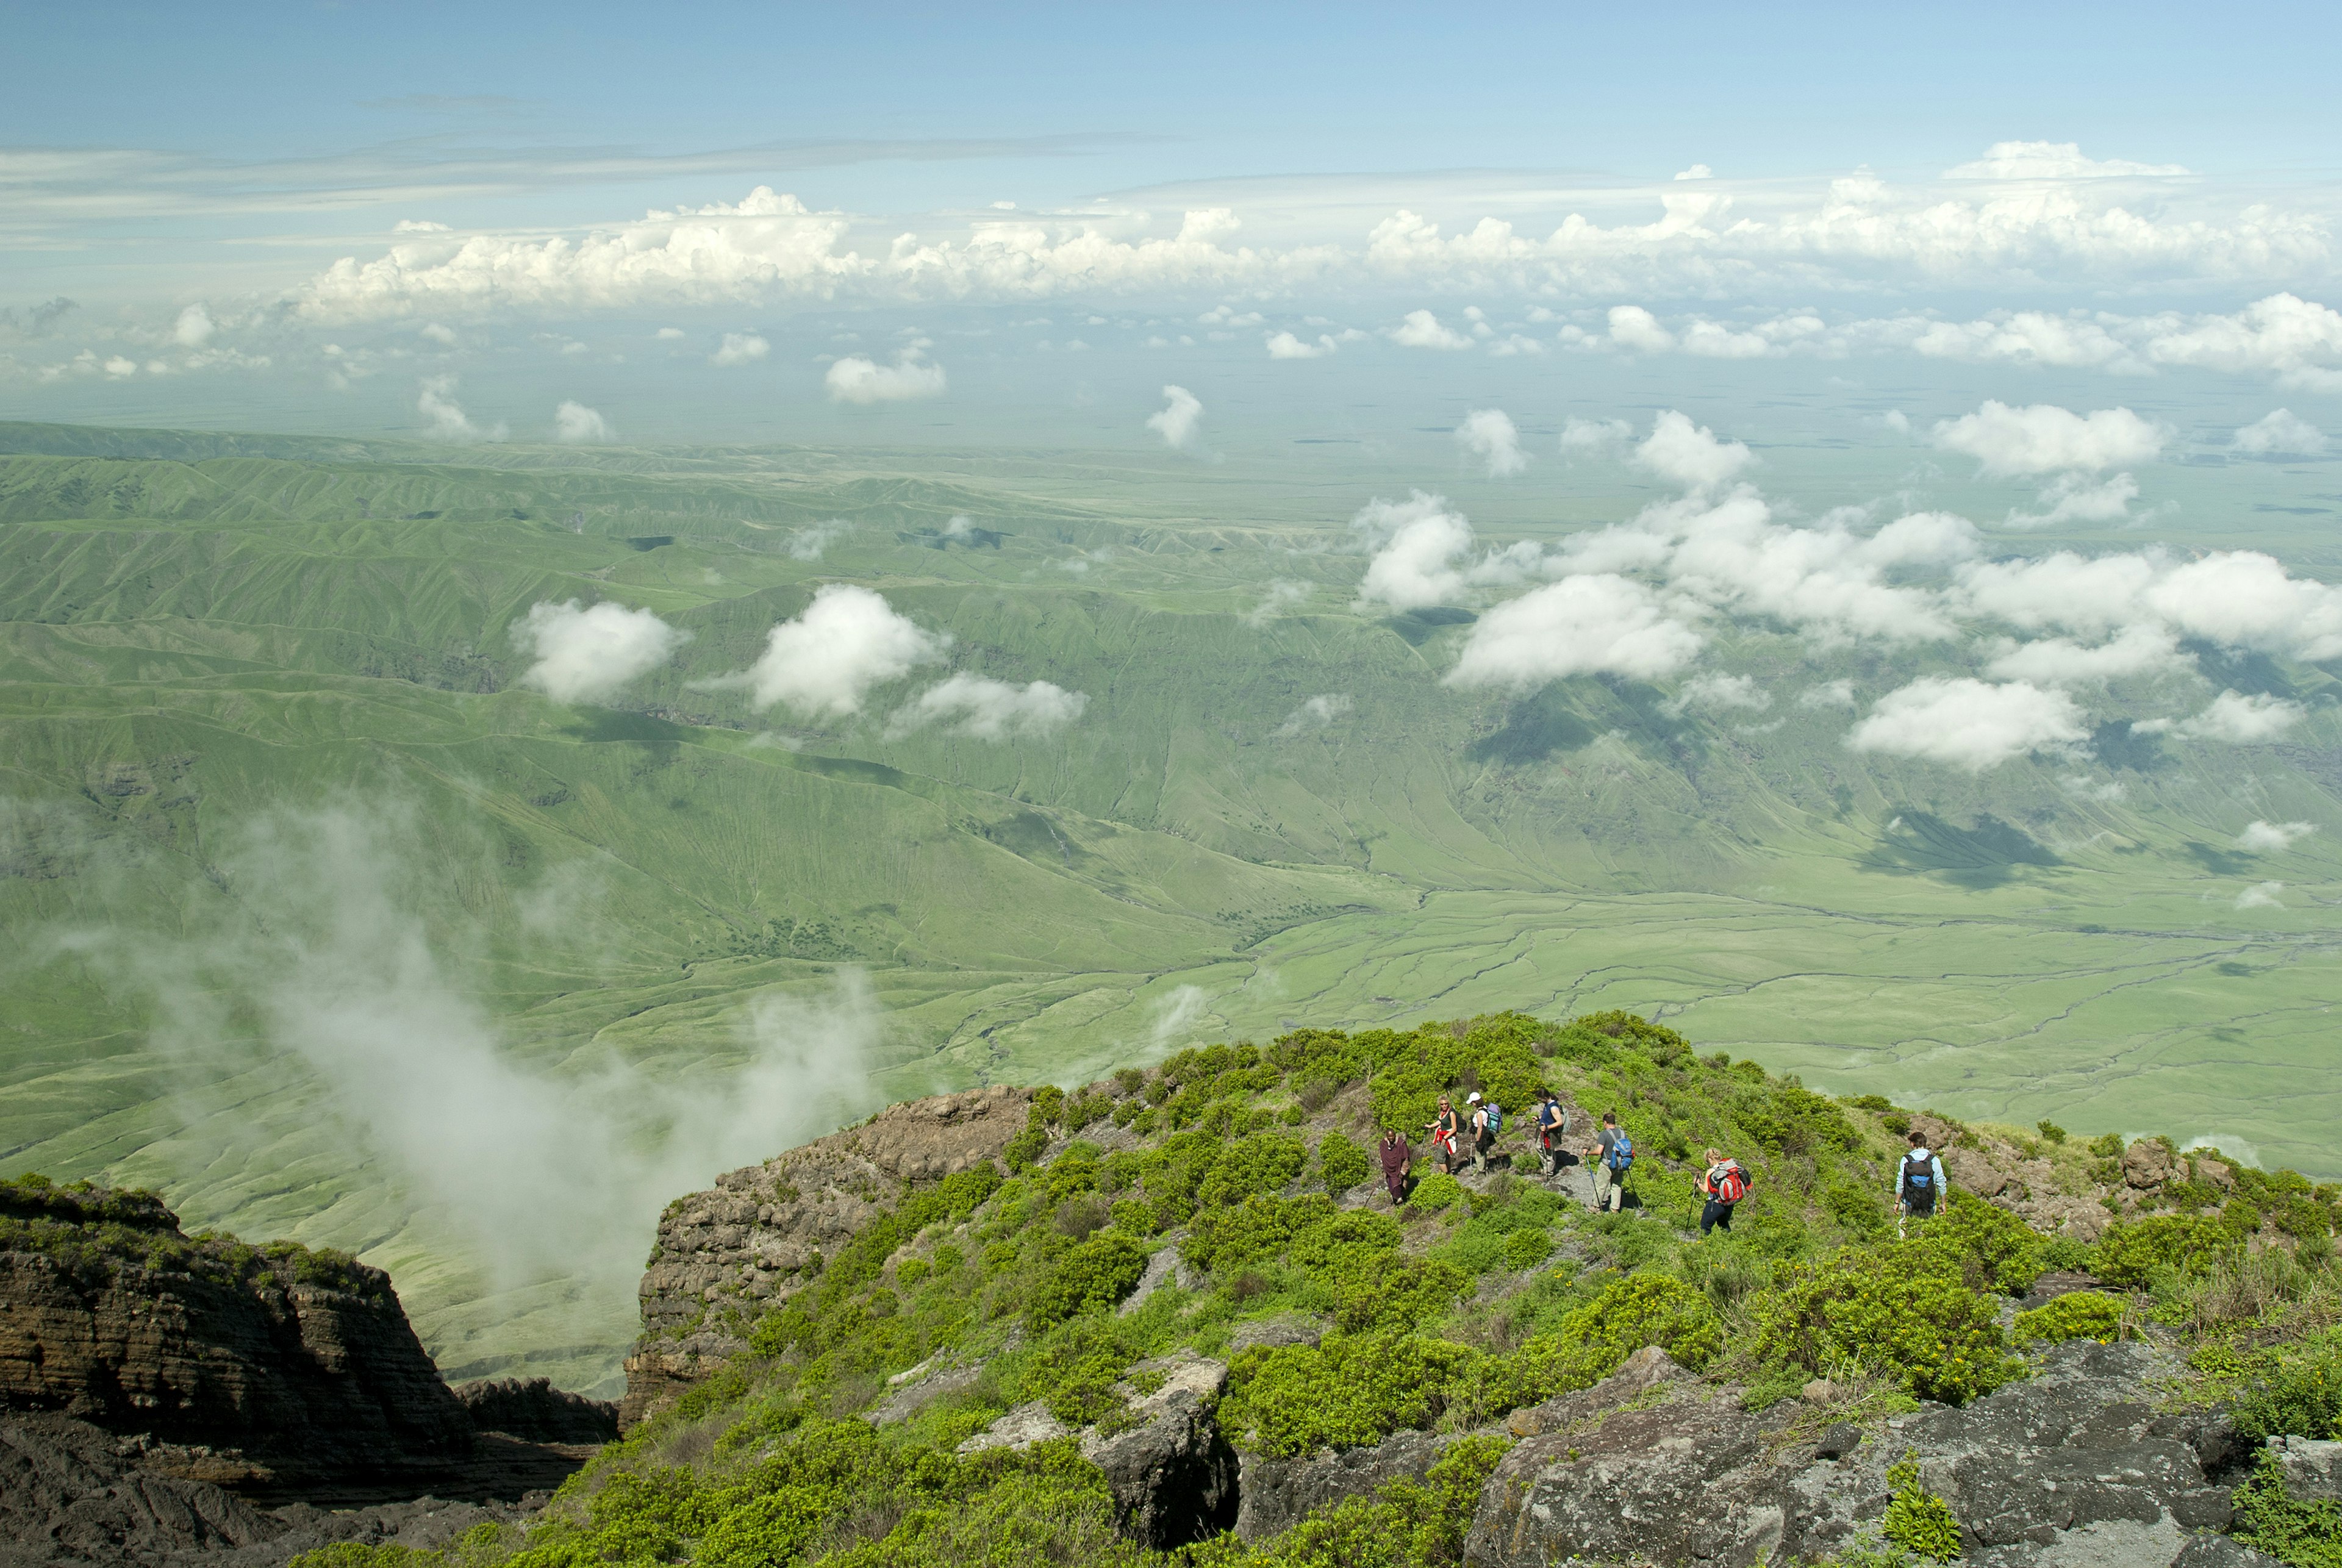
(1918, 1175)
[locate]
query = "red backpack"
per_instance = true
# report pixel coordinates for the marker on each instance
(1728, 1184)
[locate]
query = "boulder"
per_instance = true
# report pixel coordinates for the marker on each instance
(2148, 1164)
(2220, 1552)
(2313, 1469)
(1020, 1428)
(2215, 1172)
(1174, 1477)
(1969, 1171)
(2048, 1287)
(1648, 1369)
(1275, 1494)
(1286, 1328)
(1164, 1268)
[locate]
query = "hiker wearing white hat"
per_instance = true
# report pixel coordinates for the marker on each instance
(1486, 1120)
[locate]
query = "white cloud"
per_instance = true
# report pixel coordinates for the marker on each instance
(1696, 172)
(578, 425)
(988, 710)
(1721, 694)
(2241, 720)
(2045, 439)
(2062, 661)
(1283, 593)
(1285, 345)
(1828, 694)
(2272, 837)
(417, 226)
(668, 334)
(437, 403)
(808, 542)
(1969, 723)
(2053, 161)
(825, 662)
(740, 348)
(1488, 434)
(1690, 455)
(1180, 420)
(444, 337)
(1591, 436)
(959, 525)
(2261, 896)
(1633, 328)
(1317, 713)
(2238, 598)
(857, 380)
(1418, 544)
(193, 328)
(1421, 329)
(2079, 498)
(1580, 625)
(585, 655)
(2281, 430)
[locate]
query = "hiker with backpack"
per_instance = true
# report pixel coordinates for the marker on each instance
(1396, 1158)
(1550, 1120)
(1724, 1184)
(1613, 1155)
(1446, 1128)
(1918, 1184)
(1487, 1120)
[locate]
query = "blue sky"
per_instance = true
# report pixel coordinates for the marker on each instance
(541, 204)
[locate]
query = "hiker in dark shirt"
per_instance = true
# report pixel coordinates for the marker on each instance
(1612, 1154)
(1723, 1184)
(1550, 1120)
(1446, 1130)
(1396, 1157)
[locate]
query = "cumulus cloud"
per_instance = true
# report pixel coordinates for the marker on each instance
(1721, 694)
(1589, 437)
(1690, 455)
(2238, 719)
(2261, 896)
(1488, 433)
(2045, 439)
(1419, 543)
(2272, 837)
(988, 710)
(2281, 430)
(740, 348)
(1421, 329)
(193, 328)
(808, 542)
(2079, 498)
(1285, 345)
(585, 653)
(2053, 161)
(1969, 723)
(2063, 662)
(857, 380)
(1317, 713)
(577, 425)
(1592, 624)
(1827, 694)
(448, 422)
(824, 664)
(1283, 593)
(444, 337)
(2238, 598)
(1180, 421)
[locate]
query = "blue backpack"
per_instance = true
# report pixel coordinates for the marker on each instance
(1622, 1153)
(1919, 1174)
(1496, 1115)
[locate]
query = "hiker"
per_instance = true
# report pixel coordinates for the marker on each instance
(1444, 1129)
(1724, 1183)
(1550, 1121)
(1612, 1154)
(1918, 1182)
(1487, 1120)
(1396, 1158)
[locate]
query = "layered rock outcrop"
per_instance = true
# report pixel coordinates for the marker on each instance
(261, 1367)
(760, 1234)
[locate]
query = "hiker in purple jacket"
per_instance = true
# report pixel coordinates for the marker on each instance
(1397, 1160)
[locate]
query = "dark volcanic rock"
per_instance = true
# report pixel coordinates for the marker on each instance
(1275, 1494)
(2074, 1466)
(538, 1412)
(1174, 1476)
(255, 1365)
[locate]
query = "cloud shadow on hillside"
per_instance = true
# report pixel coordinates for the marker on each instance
(1536, 727)
(1914, 842)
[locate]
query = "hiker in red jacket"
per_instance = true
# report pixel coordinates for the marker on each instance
(1446, 1128)
(1396, 1158)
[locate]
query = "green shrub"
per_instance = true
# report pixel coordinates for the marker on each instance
(1091, 1277)
(2078, 1314)
(2107, 1147)
(2300, 1398)
(1342, 1163)
(1225, 1239)
(2004, 1252)
(1474, 1249)
(1398, 1296)
(2128, 1254)
(1345, 1246)
(2269, 1519)
(1258, 1165)
(1903, 1309)
(1346, 1392)
(1525, 1249)
(1436, 1192)
(1917, 1520)
(1405, 1524)
(2050, 1131)
(1592, 1340)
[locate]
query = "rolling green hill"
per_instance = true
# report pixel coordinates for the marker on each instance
(206, 641)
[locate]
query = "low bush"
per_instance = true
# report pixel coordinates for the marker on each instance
(2128, 1254)
(1341, 1164)
(1902, 1309)
(2300, 1398)
(1917, 1520)
(2078, 1314)
(1091, 1277)
(1348, 1392)
(2270, 1519)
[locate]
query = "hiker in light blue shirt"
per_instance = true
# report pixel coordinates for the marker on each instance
(1918, 1181)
